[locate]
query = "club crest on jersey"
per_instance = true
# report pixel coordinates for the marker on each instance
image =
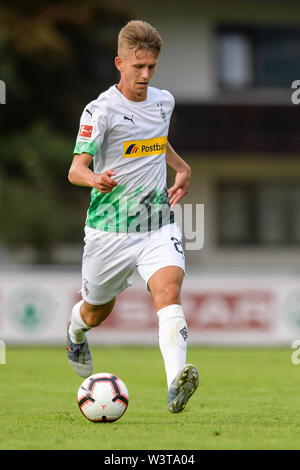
(85, 131)
(145, 147)
(162, 112)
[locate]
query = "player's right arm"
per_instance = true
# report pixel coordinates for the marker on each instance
(93, 125)
(81, 175)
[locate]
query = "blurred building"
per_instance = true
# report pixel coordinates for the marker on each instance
(230, 66)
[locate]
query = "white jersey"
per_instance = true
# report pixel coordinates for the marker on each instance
(129, 137)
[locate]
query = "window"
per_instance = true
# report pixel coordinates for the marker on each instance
(258, 56)
(258, 213)
(235, 59)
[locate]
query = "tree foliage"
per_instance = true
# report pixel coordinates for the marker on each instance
(56, 56)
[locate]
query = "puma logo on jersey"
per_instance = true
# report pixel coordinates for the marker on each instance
(129, 119)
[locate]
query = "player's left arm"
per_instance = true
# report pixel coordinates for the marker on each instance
(183, 176)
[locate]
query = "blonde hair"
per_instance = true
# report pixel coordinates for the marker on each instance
(137, 35)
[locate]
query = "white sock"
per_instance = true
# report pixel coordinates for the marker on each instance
(77, 328)
(172, 339)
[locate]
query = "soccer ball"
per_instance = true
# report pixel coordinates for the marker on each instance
(103, 398)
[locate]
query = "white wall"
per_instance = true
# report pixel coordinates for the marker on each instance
(206, 170)
(188, 61)
(186, 65)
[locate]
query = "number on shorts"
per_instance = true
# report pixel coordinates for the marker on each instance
(177, 245)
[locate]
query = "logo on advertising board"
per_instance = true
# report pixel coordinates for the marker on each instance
(245, 310)
(145, 147)
(30, 309)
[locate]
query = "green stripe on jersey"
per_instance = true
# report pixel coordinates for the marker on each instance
(85, 147)
(117, 212)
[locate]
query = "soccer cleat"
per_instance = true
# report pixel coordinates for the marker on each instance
(182, 388)
(79, 356)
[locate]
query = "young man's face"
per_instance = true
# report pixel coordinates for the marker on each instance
(136, 69)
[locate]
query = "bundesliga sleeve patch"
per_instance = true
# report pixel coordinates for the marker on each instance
(145, 147)
(85, 131)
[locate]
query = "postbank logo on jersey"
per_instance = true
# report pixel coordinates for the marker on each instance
(145, 147)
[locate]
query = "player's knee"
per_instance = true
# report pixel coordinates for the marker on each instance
(96, 314)
(168, 295)
(93, 319)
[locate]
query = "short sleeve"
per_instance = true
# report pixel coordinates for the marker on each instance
(170, 98)
(92, 128)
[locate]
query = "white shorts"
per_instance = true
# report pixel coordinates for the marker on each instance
(109, 259)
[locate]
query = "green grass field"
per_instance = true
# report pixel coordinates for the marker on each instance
(247, 399)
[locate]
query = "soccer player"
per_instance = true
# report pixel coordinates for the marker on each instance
(130, 223)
